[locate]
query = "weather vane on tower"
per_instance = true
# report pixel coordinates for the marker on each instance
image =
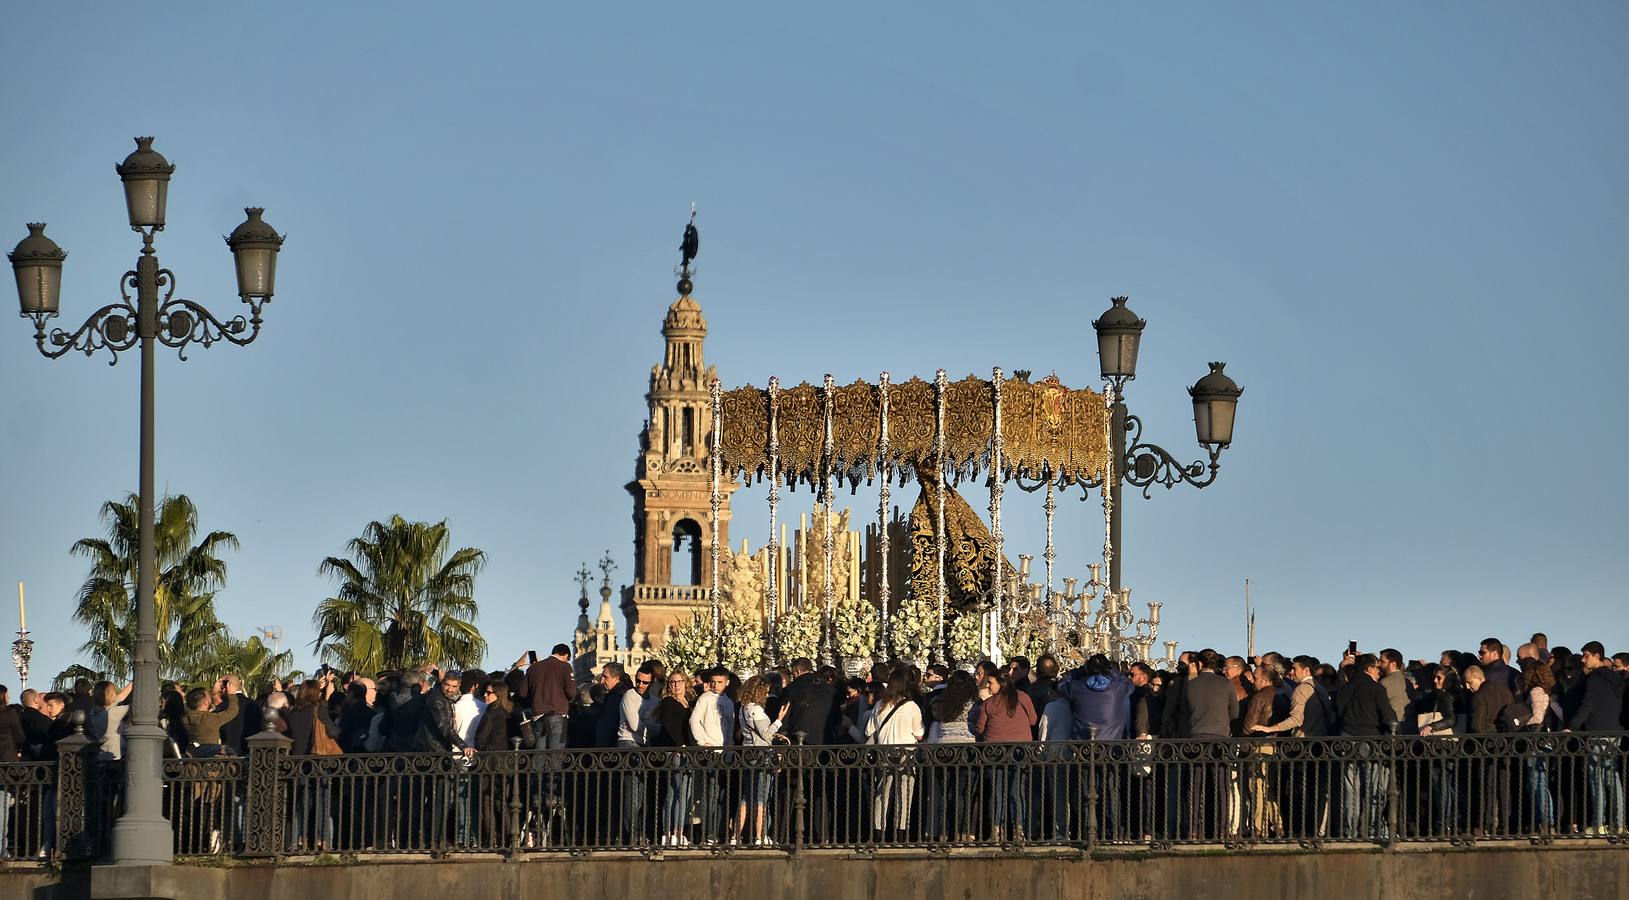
(687, 249)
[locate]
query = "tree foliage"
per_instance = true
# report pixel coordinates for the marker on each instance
(188, 577)
(402, 601)
(250, 659)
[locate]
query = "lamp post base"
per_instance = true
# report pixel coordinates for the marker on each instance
(157, 882)
(142, 836)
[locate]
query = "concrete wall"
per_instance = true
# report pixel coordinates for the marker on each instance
(1574, 873)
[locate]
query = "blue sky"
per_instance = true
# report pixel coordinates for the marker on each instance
(1402, 227)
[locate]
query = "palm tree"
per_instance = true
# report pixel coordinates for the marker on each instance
(250, 659)
(187, 579)
(402, 602)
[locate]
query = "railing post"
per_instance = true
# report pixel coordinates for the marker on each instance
(1393, 793)
(75, 754)
(514, 798)
(264, 820)
(800, 801)
(1091, 787)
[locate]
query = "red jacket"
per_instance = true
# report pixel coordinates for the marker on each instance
(999, 724)
(549, 687)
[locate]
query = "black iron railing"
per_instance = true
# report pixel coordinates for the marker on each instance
(1089, 796)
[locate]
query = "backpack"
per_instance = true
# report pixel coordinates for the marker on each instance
(1514, 717)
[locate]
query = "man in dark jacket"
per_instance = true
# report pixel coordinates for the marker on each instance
(1364, 711)
(548, 691)
(1489, 697)
(11, 742)
(236, 733)
(1147, 707)
(1099, 700)
(809, 703)
(356, 718)
(1209, 701)
(1491, 654)
(609, 711)
(436, 731)
(404, 709)
(1043, 681)
(1175, 721)
(1599, 711)
(37, 744)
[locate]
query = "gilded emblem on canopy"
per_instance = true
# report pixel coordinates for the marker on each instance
(1052, 394)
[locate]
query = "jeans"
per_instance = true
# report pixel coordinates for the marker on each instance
(553, 737)
(1444, 797)
(1540, 804)
(633, 802)
(1605, 786)
(709, 791)
(1363, 800)
(311, 809)
(1009, 798)
(554, 732)
(463, 812)
(676, 808)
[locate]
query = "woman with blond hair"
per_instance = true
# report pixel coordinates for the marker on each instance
(757, 730)
(672, 729)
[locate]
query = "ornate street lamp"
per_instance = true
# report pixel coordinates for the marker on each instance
(1142, 464)
(142, 836)
(1119, 331)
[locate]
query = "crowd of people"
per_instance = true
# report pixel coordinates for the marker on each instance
(1231, 774)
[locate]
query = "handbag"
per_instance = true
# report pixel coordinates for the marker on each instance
(321, 743)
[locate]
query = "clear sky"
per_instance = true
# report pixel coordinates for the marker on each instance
(1402, 226)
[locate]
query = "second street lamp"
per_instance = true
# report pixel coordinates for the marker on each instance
(1137, 462)
(142, 836)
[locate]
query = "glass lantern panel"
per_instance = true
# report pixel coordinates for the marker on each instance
(256, 271)
(39, 288)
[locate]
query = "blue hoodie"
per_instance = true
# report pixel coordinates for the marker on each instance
(1100, 700)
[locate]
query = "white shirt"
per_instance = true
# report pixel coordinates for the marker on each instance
(647, 715)
(113, 736)
(900, 724)
(712, 721)
(629, 725)
(1057, 721)
(467, 714)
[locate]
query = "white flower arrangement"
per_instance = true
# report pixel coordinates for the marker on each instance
(741, 644)
(965, 645)
(693, 646)
(913, 629)
(857, 629)
(690, 646)
(797, 632)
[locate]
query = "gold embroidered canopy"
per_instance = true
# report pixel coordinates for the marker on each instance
(1047, 430)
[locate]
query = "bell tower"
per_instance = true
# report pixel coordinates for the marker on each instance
(672, 486)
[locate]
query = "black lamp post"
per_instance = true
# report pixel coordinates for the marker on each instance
(1142, 464)
(142, 836)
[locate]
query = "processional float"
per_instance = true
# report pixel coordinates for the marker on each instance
(1040, 436)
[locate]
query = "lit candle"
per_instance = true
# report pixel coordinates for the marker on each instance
(22, 614)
